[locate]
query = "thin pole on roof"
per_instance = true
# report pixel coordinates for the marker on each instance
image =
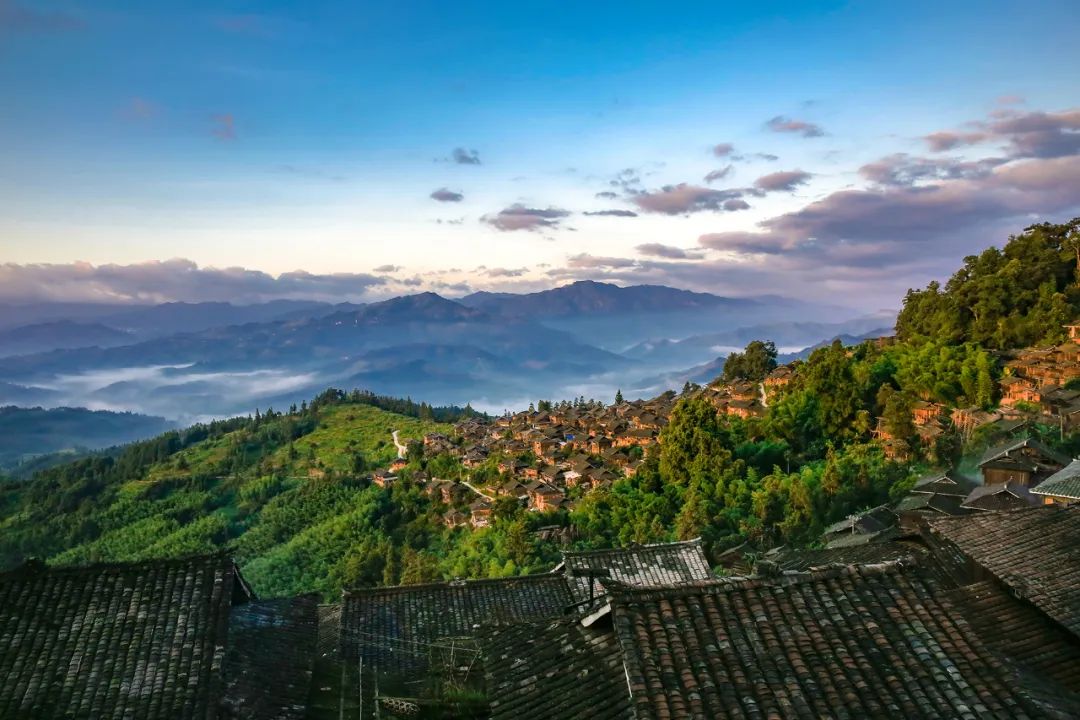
(341, 694)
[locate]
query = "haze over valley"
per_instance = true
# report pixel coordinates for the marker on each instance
(198, 361)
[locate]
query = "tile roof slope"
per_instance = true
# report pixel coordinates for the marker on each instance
(270, 658)
(140, 640)
(1034, 551)
(860, 641)
(642, 565)
(392, 628)
(1064, 483)
(802, 560)
(1019, 631)
(557, 670)
(943, 484)
(1005, 448)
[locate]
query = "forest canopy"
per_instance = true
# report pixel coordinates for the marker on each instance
(1013, 297)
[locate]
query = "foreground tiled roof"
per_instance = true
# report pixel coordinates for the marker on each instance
(393, 628)
(865, 641)
(1020, 631)
(802, 560)
(270, 656)
(141, 640)
(557, 670)
(1064, 483)
(642, 565)
(1035, 552)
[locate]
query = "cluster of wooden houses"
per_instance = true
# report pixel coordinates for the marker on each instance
(543, 458)
(1015, 475)
(962, 617)
(1038, 379)
(547, 458)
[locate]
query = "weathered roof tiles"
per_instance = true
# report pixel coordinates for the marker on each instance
(141, 640)
(642, 565)
(1033, 551)
(865, 641)
(557, 670)
(392, 627)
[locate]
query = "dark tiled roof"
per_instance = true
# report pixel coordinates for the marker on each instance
(1006, 450)
(1064, 483)
(393, 628)
(642, 565)
(1035, 552)
(802, 560)
(929, 502)
(855, 642)
(847, 540)
(943, 484)
(270, 656)
(554, 671)
(143, 640)
(1000, 496)
(867, 522)
(1020, 632)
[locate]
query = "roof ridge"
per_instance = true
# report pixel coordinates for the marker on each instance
(470, 582)
(36, 565)
(961, 519)
(631, 548)
(622, 591)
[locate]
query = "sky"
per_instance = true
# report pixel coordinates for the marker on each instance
(833, 151)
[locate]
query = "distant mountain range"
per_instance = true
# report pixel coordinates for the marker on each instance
(587, 297)
(194, 360)
(59, 334)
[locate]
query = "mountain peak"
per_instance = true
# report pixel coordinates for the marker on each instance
(425, 306)
(591, 297)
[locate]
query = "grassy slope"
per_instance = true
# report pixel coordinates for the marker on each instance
(290, 531)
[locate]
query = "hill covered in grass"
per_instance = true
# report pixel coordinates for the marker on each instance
(287, 492)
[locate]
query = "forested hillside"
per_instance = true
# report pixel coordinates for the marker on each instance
(27, 433)
(1012, 297)
(282, 489)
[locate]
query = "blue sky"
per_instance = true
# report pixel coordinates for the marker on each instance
(311, 136)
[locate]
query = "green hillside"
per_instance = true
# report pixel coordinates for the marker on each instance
(283, 490)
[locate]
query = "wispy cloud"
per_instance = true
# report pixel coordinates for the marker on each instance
(175, 280)
(18, 17)
(684, 198)
(505, 272)
(719, 174)
(1034, 134)
(463, 156)
(224, 126)
(520, 217)
(139, 109)
(782, 124)
(612, 213)
(585, 260)
(445, 195)
(782, 181)
(904, 169)
(668, 251)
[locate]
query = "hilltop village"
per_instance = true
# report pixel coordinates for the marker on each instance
(548, 458)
